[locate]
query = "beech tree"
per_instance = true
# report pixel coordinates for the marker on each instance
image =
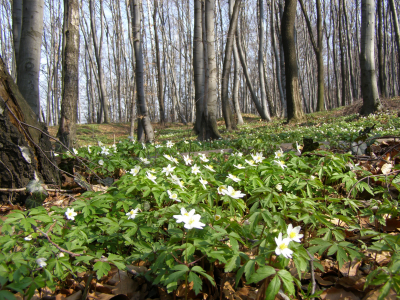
(70, 73)
(294, 109)
(29, 53)
(369, 87)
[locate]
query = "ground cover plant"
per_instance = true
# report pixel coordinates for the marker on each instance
(249, 220)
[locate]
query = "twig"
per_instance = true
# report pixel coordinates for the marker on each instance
(54, 244)
(348, 195)
(312, 273)
(24, 189)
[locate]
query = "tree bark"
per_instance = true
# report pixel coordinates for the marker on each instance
(16, 168)
(318, 51)
(16, 27)
(353, 88)
(144, 119)
(226, 110)
(28, 67)
(397, 33)
(294, 109)
(212, 73)
(383, 89)
(371, 102)
(70, 73)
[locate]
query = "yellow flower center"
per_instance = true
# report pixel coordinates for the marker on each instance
(186, 214)
(282, 162)
(292, 234)
(217, 218)
(191, 221)
(283, 246)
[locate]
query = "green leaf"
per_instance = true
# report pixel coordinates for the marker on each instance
(273, 288)
(7, 295)
(385, 290)
(180, 268)
(341, 256)
(262, 273)
(232, 264)
(287, 281)
(101, 268)
(197, 283)
(249, 268)
(201, 271)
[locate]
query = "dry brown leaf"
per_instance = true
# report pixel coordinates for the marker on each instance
(392, 224)
(163, 294)
(181, 291)
(137, 269)
(350, 269)
(322, 281)
(61, 297)
(75, 296)
(338, 294)
(100, 296)
(356, 282)
(373, 295)
(125, 285)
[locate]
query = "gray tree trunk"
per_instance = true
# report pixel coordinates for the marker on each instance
(28, 67)
(144, 119)
(354, 88)
(397, 33)
(70, 73)
(16, 27)
(294, 109)
(261, 59)
(226, 110)
(212, 67)
(97, 51)
(383, 87)
(369, 87)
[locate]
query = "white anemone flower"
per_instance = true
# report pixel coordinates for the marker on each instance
(280, 163)
(132, 213)
(221, 189)
(134, 171)
(239, 166)
(279, 153)
(144, 160)
(151, 177)
(279, 187)
(101, 162)
(173, 196)
(169, 144)
(105, 151)
(70, 214)
(41, 262)
(203, 157)
(203, 182)
(230, 191)
(233, 177)
(195, 169)
(282, 246)
(250, 162)
(28, 238)
(144, 145)
(386, 168)
(175, 160)
(158, 146)
(168, 157)
(187, 160)
(88, 149)
(193, 221)
(293, 233)
(184, 215)
(299, 148)
(75, 151)
(217, 217)
(258, 158)
(168, 170)
(209, 167)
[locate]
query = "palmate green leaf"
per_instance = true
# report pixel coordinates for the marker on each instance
(232, 264)
(262, 273)
(202, 272)
(197, 283)
(101, 268)
(273, 288)
(287, 280)
(6, 295)
(249, 268)
(20, 285)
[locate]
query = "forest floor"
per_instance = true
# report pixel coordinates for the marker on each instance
(90, 134)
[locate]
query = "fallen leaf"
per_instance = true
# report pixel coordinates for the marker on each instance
(124, 284)
(338, 294)
(322, 281)
(181, 291)
(392, 224)
(373, 295)
(349, 269)
(75, 296)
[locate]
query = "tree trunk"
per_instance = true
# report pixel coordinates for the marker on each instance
(158, 62)
(318, 51)
(212, 67)
(342, 55)
(18, 168)
(383, 89)
(397, 32)
(261, 59)
(97, 50)
(70, 74)
(294, 109)
(144, 119)
(226, 110)
(371, 102)
(353, 88)
(16, 27)
(28, 67)
(248, 81)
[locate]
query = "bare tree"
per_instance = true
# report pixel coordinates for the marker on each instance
(17, 24)
(230, 39)
(29, 53)
(397, 32)
(144, 119)
(369, 87)
(70, 73)
(294, 109)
